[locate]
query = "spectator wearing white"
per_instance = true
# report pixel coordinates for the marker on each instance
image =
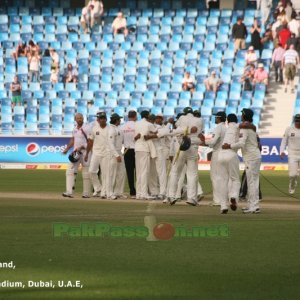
(71, 74)
(188, 83)
(119, 25)
(290, 63)
(54, 75)
(251, 57)
(294, 26)
(275, 26)
(55, 58)
(265, 8)
(213, 82)
(96, 12)
(34, 67)
(85, 18)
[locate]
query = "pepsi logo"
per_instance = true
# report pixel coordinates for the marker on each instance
(32, 149)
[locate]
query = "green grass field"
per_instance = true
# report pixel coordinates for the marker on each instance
(258, 260)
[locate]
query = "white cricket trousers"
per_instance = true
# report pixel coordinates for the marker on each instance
(103, 162)
(294, 164)
(116, 177)
(190, 159)
(71, 172)
(142, 167)
(215, 177)
(252, 171)
(230, 173)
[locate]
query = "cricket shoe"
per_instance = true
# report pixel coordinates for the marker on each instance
(150, 197)
(96, 194)
(160, 197)
(113, 197)
(165, 201)
(224, 211)
(251, 211)
(256, 211)
(86, 196)
(191, 202)
(172, 201)
(233, 204)
(200, 197)
(67, 195)
(214, 204)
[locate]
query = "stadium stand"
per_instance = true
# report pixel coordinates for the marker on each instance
(143, 70)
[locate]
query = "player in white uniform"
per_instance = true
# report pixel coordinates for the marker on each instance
(291, 139)
(143, 151)
(216, 143)
(79, 143)
(187, 124)
(117, 172)
(252, 159)
(229, 167)
(98, 141)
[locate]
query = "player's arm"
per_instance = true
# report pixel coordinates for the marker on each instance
(89, 147)
(284, 143)
(111, 144)
(215, 138)
(240, 143)
(69, 146)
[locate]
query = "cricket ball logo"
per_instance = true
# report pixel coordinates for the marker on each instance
(32, 149)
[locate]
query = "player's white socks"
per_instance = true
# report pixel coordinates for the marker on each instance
(70, 181)
(86, 181)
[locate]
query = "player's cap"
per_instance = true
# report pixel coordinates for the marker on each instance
(101, 115)
(297, 118)
(220, 114)
(247, 112)
(197, 113)
(260, 65)
(187, 110)
(115, 116)
(232, 118)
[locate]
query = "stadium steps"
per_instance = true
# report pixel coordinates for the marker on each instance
(278, 110)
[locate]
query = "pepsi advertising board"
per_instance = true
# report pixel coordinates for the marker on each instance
(49, 150)
(33, 149)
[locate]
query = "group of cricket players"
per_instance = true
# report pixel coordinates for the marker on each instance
(160, 157)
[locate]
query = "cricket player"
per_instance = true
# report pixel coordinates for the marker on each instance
(229, 167)
(98, 142)
(187, 124)
(144, 150)
(216, 144)
(79, 143)
(252, 159)
(291, 140)
(116, 170)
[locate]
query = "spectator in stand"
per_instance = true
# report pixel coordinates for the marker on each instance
(34, 67)
(277, 58)
(16, 89)
(290, 63)
(55, 58)
(20, 51)
(255, 36)
(96, 12)
(293, 41)
(71, 74)
(294, 26)
(213, 82)
(275, 28)
(288, 11)
(251, 57)
(239, 34)
(188, 83)
(213, 4)
(247, 77)
(32, 49)
(119, 25)
(54, 75)
(260, 75)
(268, 35)
(85, 18)
(265, 8)
(283, 35)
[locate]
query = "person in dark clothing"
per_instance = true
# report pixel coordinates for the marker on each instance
(239, 34)
(255, 36)
(293, 40)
